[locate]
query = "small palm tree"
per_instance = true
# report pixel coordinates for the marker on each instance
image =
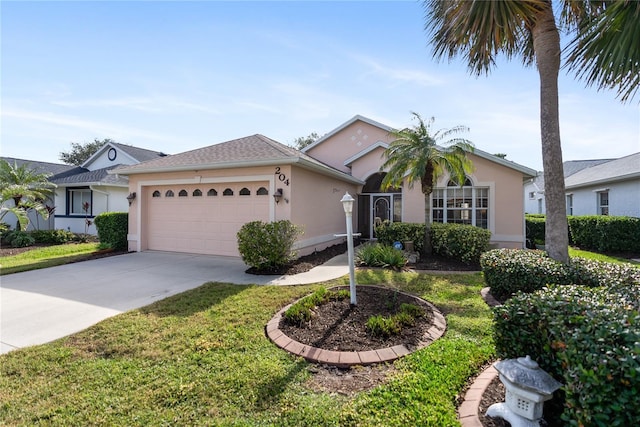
(21, 211)
(604, 51)
(418, 155)
(27, 188)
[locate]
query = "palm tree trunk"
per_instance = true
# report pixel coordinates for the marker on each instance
(546, 43)
(427, 246)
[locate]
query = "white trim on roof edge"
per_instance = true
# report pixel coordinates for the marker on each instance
(230, 165)
(344, 125)
(102, 150)
(366, 151)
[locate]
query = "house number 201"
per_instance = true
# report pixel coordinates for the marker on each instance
(281, 176)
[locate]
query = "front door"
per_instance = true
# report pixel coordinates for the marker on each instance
(381, 211)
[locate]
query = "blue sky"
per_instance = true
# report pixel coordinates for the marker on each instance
(175, 76)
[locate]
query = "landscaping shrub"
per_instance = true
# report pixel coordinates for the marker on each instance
(586, 338)
(459, 241)
(535, 228)
(463, 242)
(389, 232)
(56, 237)
(392, 325)
(300, 311)
(507, 271)
(605, 233)
(267, 245)
(19, 239)
(112, 229)
(379, 255)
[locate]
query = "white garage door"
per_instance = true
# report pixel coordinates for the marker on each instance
(203, 218)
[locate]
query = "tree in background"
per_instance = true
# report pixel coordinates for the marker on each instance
(26, 188)
(304, 141)
(79, 153)
(419, 155)
(604, 51)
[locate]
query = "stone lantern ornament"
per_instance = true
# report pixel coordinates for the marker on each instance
(527, 388)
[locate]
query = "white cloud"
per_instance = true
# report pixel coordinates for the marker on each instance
(398, 75)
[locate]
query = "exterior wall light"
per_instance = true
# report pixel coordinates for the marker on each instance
(277, 195)
(131, 197)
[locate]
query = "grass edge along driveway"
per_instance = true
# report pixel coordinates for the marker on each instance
(48, 256)
(201, 357)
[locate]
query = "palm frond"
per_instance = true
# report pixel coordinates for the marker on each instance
(606, 50)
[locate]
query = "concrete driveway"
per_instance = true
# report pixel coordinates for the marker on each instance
(43, 305)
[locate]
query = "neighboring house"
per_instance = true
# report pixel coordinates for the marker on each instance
(534, 202)
(36, 222)
(594, 187)
(610, 188)
(92, 184)
(197, 201)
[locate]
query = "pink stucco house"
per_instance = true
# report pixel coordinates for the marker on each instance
(197, 201)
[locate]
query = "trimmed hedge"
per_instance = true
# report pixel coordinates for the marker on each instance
(592, 232)
(507, 271)
(463, 242)
(389, 232)
(112, 229)
(267, 245)
(586, 338)
(605, 233)
(535, 228)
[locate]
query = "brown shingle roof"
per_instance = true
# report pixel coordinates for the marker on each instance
(242, 152)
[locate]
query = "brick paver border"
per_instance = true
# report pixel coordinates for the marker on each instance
(351, 358)
(468, 411)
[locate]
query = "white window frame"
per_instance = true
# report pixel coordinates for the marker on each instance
(603, 209)
(85, 196)
(465, 210)
(569, 202)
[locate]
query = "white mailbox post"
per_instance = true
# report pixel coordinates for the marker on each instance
(527, 388)
(347, 205)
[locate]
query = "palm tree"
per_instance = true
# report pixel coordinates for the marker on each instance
(27, 188)
(605, 51)
(418, 155)
(21, 211)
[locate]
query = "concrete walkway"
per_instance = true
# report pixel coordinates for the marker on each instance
(43, 305)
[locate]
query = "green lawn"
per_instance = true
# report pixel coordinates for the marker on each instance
(573, 252)
(202, 358)
(48, 256)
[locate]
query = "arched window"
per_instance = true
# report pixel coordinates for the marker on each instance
(227, 192)
(245, 192)
(197, 193)
(169, 193)
(212, 192)
(156, 194)
(464, 204)
(453, 183)
(262, 191)
(183, 193)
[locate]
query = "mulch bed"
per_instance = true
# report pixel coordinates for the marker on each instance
(338, 326)
(307, 262)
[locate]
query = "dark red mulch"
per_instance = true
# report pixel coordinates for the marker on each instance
(307, 262)
(437, 262)
(338, 326)
(304, 263)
